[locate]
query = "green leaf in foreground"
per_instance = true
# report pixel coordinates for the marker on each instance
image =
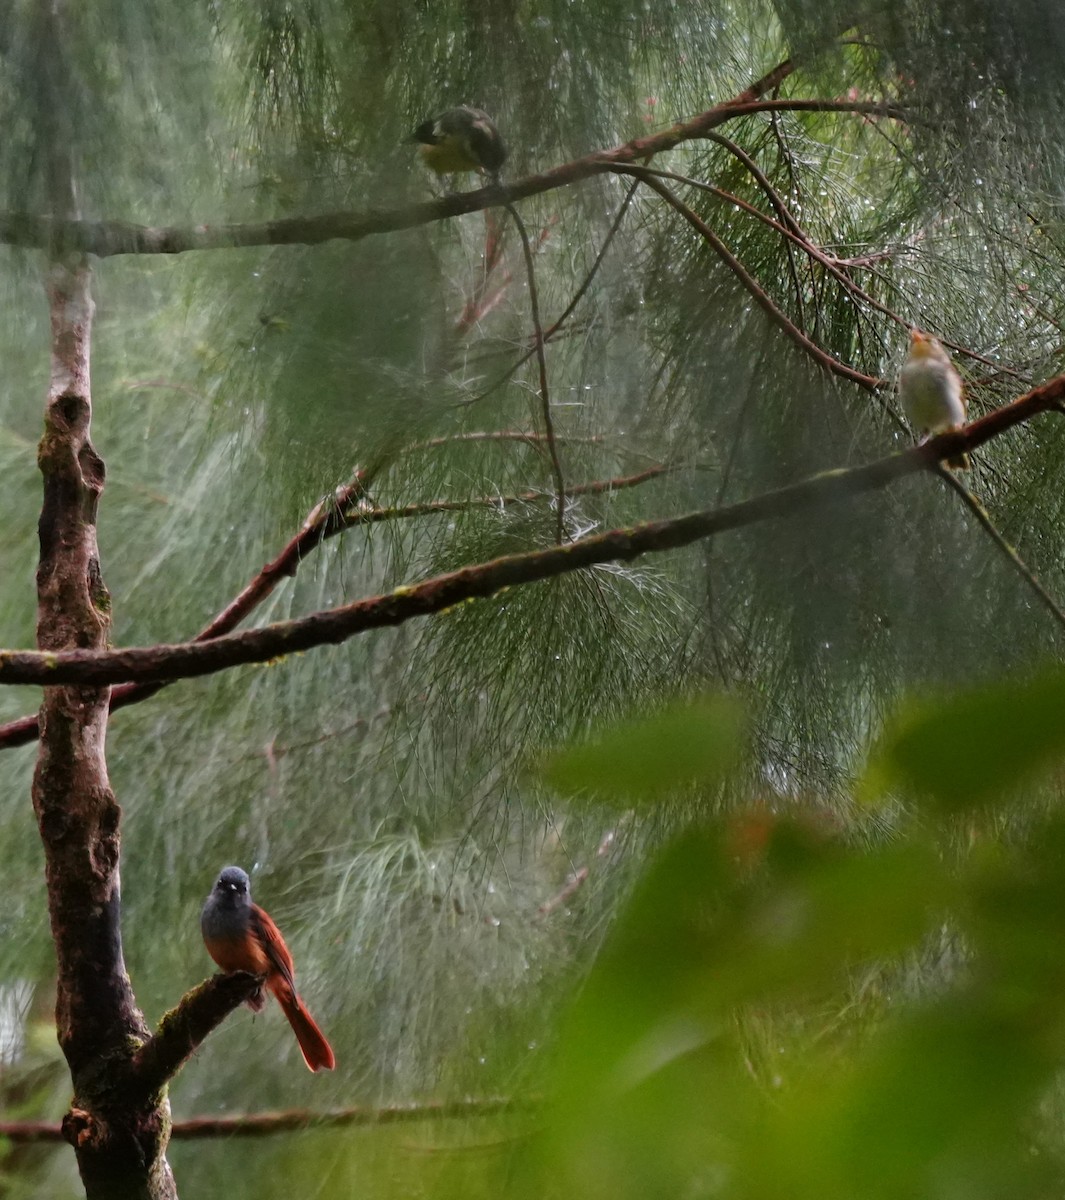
(973, 747)
(695, 742)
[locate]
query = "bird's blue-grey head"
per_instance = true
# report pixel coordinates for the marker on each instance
(226, 910)
(232, 887)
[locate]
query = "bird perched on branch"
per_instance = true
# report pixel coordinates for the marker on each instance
(931, 391)
(461, 139)
(240, 936)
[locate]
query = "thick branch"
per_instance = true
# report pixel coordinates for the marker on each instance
(155, 663)
(182, 1029)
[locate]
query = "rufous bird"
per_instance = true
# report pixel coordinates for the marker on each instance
(240, 936)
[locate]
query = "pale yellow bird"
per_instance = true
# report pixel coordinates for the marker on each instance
(931, 391)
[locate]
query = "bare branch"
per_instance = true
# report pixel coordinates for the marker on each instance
(531, 437)
(482, 300)
(572, 885)
(795, 235)
(369, 516)
(764, 300)
(190, 659)
(1005, 549)
(108, 238)
(775, 199)
(575, 299)
(326, 520)
(541, 362)
(576, 880)
(295, 1120)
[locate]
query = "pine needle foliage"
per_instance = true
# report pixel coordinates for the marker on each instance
(384, 792)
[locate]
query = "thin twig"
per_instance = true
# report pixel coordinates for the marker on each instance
(573, 884)
(576, 880)
(1008, 551)
(762, 298)
(541, 361)
(595, 487)
(777, 202)
(296, 1120)
(834, 265)
(532, 437)
(477, 306)
(781, 138)
(578, 295)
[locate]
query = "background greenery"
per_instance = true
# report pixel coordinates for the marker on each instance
(823, 982)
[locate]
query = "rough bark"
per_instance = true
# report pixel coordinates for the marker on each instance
(186, 660)
(119, 1133)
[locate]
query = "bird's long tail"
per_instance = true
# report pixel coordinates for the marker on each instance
(317, 1052)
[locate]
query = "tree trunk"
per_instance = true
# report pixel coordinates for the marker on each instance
(118, 1131)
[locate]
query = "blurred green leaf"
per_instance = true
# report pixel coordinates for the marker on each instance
(932, 1107)
(973, 747)
(653, 1086)
(704, 934)
(1014, 915)
(837, 907)
(694, 742)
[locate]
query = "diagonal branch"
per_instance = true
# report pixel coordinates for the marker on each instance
(106, 238)
(187, 660)
(321, 523)
(1008, 551)
(181, 1030)
(776, 200)
(760, 295)
(329, 518)
(797, 236)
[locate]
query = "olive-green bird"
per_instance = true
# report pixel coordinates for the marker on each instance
(462, 139)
